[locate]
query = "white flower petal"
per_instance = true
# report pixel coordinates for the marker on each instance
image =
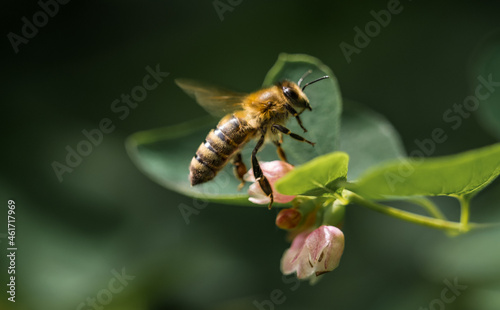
(315, 253)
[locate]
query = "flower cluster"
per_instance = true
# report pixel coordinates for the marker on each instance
(316, 248)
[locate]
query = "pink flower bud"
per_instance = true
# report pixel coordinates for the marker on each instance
(288, 218)
(314, 253)
(273, 170)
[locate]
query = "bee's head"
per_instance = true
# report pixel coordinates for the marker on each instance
(295, 94)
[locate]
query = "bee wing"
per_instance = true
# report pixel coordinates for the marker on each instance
(215, 100)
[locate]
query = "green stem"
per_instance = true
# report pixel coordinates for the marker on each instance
(404, 215)
(429, 206)
(464, 214)
(472, 226)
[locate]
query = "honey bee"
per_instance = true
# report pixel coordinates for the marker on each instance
(261, 115)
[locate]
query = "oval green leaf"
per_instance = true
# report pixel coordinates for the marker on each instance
(316, 177)
(164, 154)
(456, 175)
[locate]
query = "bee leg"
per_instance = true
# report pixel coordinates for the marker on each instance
(281, 152)
(239, 169)
(287, 131)
(292, 111)
(259, 175)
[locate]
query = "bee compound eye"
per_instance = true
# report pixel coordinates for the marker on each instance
(290, 93)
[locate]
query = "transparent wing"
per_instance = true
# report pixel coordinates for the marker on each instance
(215, 100)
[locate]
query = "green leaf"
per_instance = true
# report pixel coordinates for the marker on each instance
(368, 138)
(320, 175)
(323, 122)
(487, 67)
(456, 175)
(164, 154)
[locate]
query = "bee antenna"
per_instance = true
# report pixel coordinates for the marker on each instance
(316, 80)
(303, 77)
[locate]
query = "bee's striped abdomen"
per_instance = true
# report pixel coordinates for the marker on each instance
(219, 146)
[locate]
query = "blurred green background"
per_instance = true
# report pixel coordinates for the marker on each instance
(106, 215)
